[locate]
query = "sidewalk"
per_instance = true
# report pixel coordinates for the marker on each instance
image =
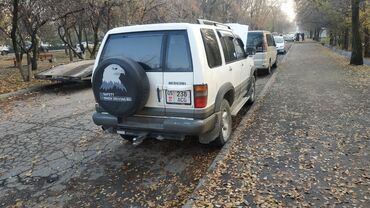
(308, 143)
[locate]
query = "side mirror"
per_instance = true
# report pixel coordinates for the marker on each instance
(251, 51)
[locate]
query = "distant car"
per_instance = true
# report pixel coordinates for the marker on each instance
(289, 37)
(264, 45)
(4, 50)
(280, 44)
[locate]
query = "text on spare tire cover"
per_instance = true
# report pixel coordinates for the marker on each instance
(111, 86)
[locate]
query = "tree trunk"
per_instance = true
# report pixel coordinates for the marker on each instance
(317, 34)
(29, 67)
(35, 44)
(13, 35)
(65, 50)
(96, 38)
(367, 42)
(345, 45)
(356, 57)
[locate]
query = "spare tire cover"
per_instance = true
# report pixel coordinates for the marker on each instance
(120, 86)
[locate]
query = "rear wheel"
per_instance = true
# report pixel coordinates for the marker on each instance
(224, 124)
(276, 62)
(253, 91)
(268, 70)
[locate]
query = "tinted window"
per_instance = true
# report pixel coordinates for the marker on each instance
(270, 41)
(211, 46)
(178, 53)
(145, 48)
(278, 39)
(240, 53)
(254, 40)
(227, 42)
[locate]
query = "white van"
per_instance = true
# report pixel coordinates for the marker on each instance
(265, 46)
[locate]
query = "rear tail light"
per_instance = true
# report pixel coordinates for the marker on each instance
(200, 95)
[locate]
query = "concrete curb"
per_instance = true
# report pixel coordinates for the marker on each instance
(226, 149)
(21, 92)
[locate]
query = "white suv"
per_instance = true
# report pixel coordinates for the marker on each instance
(172, 80)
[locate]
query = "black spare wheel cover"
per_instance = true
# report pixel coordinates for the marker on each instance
(120, 86)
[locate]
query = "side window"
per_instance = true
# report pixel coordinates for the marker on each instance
(178, 53)
(240, 53)
(211, 46)
(227, 42)
(270, 42)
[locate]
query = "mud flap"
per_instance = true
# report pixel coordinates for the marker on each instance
(213, 134)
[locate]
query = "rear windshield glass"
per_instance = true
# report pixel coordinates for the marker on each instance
(279, 39)
(254, 40)
(178, 53)
(144, 48)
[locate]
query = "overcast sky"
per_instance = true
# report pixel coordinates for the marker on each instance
(288, 8)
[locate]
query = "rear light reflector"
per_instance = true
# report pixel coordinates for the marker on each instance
(200, 95)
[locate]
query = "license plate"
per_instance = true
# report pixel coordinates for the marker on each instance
(178, 97)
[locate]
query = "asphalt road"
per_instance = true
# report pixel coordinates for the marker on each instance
(51, 154)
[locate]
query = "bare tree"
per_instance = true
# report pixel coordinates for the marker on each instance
(356, 57)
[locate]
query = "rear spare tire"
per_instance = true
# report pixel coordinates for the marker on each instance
(120, 86)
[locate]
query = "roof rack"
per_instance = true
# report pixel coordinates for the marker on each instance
(210, 22)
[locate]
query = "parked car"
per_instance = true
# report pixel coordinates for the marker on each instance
(266, 52)
(4, 50)
(280, 44)
(289, 37)
(172, 80)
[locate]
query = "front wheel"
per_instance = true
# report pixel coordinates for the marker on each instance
(224, 124)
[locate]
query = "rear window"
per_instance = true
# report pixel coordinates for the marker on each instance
(144, 48)
(149, 49)
(211, 46)
(254, 40)
(178, 53)
(279, 39)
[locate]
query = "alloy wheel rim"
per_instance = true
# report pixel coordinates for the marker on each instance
(225, 125)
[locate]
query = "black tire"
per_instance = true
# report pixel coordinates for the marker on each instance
(268, 70)
(120, 86)
(252, 97)
(276, 63)
(129, 138)
(224, 124)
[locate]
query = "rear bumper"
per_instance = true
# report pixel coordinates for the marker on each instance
(164, 125)
(261, 63)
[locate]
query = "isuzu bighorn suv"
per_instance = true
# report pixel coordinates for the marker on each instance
(172, 80)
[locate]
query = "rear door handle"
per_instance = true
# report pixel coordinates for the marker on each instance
(230, 69)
